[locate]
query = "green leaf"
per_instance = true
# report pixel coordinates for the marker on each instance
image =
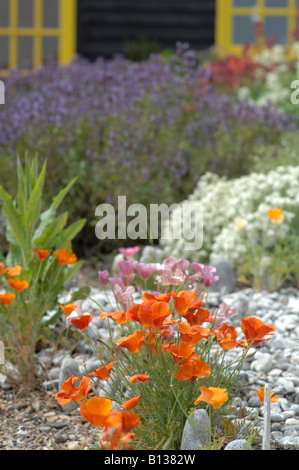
(72, 271)
(47, 240)
(70, 232)
(14, 220)
(34, 203)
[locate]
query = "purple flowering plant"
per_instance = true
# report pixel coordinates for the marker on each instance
(159, 123)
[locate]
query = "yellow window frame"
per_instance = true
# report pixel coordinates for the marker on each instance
(225, 12)
(66, 32)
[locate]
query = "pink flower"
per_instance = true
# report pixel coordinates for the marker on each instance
(129, 252)
(208, 276)
(103, 277)
(145, 271)
(127, 266)
(123, 295)
(223, 314)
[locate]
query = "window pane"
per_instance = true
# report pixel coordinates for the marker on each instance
(25, 52)
(244, 3)
(25, 13)
(276, 27)
(243, 30)
(4, 13)
(4, 44)
(276, 3)
(50, 14)
(50, 49)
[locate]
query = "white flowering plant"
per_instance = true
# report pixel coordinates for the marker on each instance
(236, 225)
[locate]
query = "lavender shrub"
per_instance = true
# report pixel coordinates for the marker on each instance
(146, 130)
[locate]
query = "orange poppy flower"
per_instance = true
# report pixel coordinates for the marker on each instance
(198, 316)
(96, 410)
(13, 272)
(276, 215)
(103, 372)
(227, 337)
(132, 342)
(183, 301)
(261, 394)
(113, 439)
(18, 285)
(41, 254)
(63, 257)
(124, 421)
(69, 393)
(82, 322)
(150, 314)
(3, 269)
(192, 368)
(255, 330)
(7, 298)
(118, 317)
(138, 378)
(129, 404)
(215, 396)
(68, 308)
(180, 352)
(161, 297)
(192, 334)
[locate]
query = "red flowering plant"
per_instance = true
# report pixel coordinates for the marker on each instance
(161, 352)
(33, 272)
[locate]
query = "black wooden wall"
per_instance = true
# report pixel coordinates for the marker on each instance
(105, 26)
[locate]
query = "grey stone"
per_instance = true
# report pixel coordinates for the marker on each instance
(238, 444)
(196, 431)
(227, 278)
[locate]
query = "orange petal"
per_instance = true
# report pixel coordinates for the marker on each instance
(7, 298)
(95, 410)
(13, 272)
(18, 285)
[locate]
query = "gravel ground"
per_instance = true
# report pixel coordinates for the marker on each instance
(37, 422)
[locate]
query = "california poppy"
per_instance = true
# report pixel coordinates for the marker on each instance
(193, 334)
(129, 404)
(150, 314)
(68, 308)
(261, 394)
(3, 269)
(255, 330)
(192, 368)
(18, 285)
(227, 337)
(183, 301)
(215, 396)
(103, 372)
(115, 439)
(95, 410)
(70, 393)
(276, 215)
(7, 298)
(180, 352)
(132, 342)
(118, 316)
(82, 322)
(138, 378)
(15, 271)
(41, 254)
(63, 257)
